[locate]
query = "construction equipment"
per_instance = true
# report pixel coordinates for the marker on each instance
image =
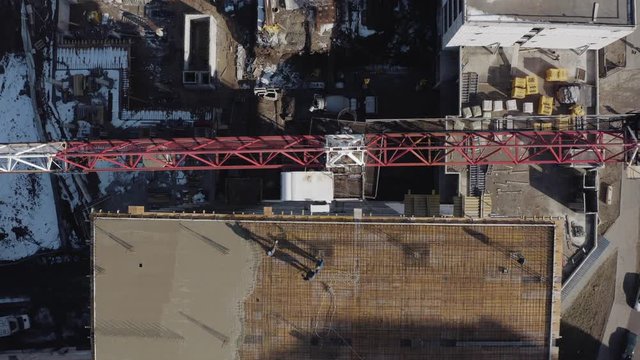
(571, 147)
(272, 94)
(11, 324)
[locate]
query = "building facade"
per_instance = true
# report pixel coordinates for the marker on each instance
(546, 24)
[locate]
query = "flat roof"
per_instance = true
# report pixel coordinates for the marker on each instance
(167, 289)
(616, 12)
(496, 71)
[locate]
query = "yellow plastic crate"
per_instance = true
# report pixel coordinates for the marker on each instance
(518, 93)
(519, 82)
(545, 106)
(532, 85)
(557, 74)
(563, 74)
(577, 110)
(564, 123)
(542, 125)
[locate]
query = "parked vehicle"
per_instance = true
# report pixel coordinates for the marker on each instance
(333, 103)
(630, 346)
(11, 324)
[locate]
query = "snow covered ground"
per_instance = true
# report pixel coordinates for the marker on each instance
(111, 80)
(28, 219)
(113, 62)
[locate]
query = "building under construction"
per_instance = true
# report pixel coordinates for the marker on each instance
(170, 286)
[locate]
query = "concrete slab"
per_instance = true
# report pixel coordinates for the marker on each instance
(496, 73)
(574, 11)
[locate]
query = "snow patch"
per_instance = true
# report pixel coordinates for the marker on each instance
(356, 27)
(89, 58)
(109, 65)
(28, 220)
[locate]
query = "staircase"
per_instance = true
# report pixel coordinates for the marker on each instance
(477, 175)
(469, 85)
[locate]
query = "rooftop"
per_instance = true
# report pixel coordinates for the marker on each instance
(612, 12)
(495, 73)
(167, 289)
(157, 289)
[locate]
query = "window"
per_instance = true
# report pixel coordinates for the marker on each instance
(451, 14)
(455, 9)
(445, 16)
(460, 5)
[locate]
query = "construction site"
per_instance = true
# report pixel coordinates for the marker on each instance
(425, 288)
(313, 179)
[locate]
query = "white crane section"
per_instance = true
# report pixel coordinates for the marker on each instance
(29, 157)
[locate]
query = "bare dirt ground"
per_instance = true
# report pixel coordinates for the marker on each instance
(610, 175)
(583, 323)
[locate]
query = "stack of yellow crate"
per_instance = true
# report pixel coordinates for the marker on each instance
(564, 123)
(542, 125)
(545, 106)
(532, 85)
(577, 110)
(518, 88)
(557, 74)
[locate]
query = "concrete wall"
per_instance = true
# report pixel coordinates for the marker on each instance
(553, 36)
(213, 37)
(448, 20)
(484, 34)
(306, 186)
(63, 14)
(570, 36)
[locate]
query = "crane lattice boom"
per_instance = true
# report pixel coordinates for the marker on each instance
(324, 151)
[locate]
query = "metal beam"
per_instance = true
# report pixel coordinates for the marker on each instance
(574, 147)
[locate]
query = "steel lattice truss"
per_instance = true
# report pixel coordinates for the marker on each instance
(318, 151)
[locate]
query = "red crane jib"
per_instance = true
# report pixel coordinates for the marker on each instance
(378, 150)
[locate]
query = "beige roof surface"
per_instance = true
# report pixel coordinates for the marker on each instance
(164, 292)
(170, 289)
(615, 12)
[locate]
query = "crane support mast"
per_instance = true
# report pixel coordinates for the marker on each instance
(586, 147)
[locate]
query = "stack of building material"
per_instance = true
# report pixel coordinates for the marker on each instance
(527, 108)
(512, 105)
(532, 85)
(557, 74)
(518, 89)
(421, 205)
(486, 206)
(471, 206)
(433, 205)
(545, 106)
